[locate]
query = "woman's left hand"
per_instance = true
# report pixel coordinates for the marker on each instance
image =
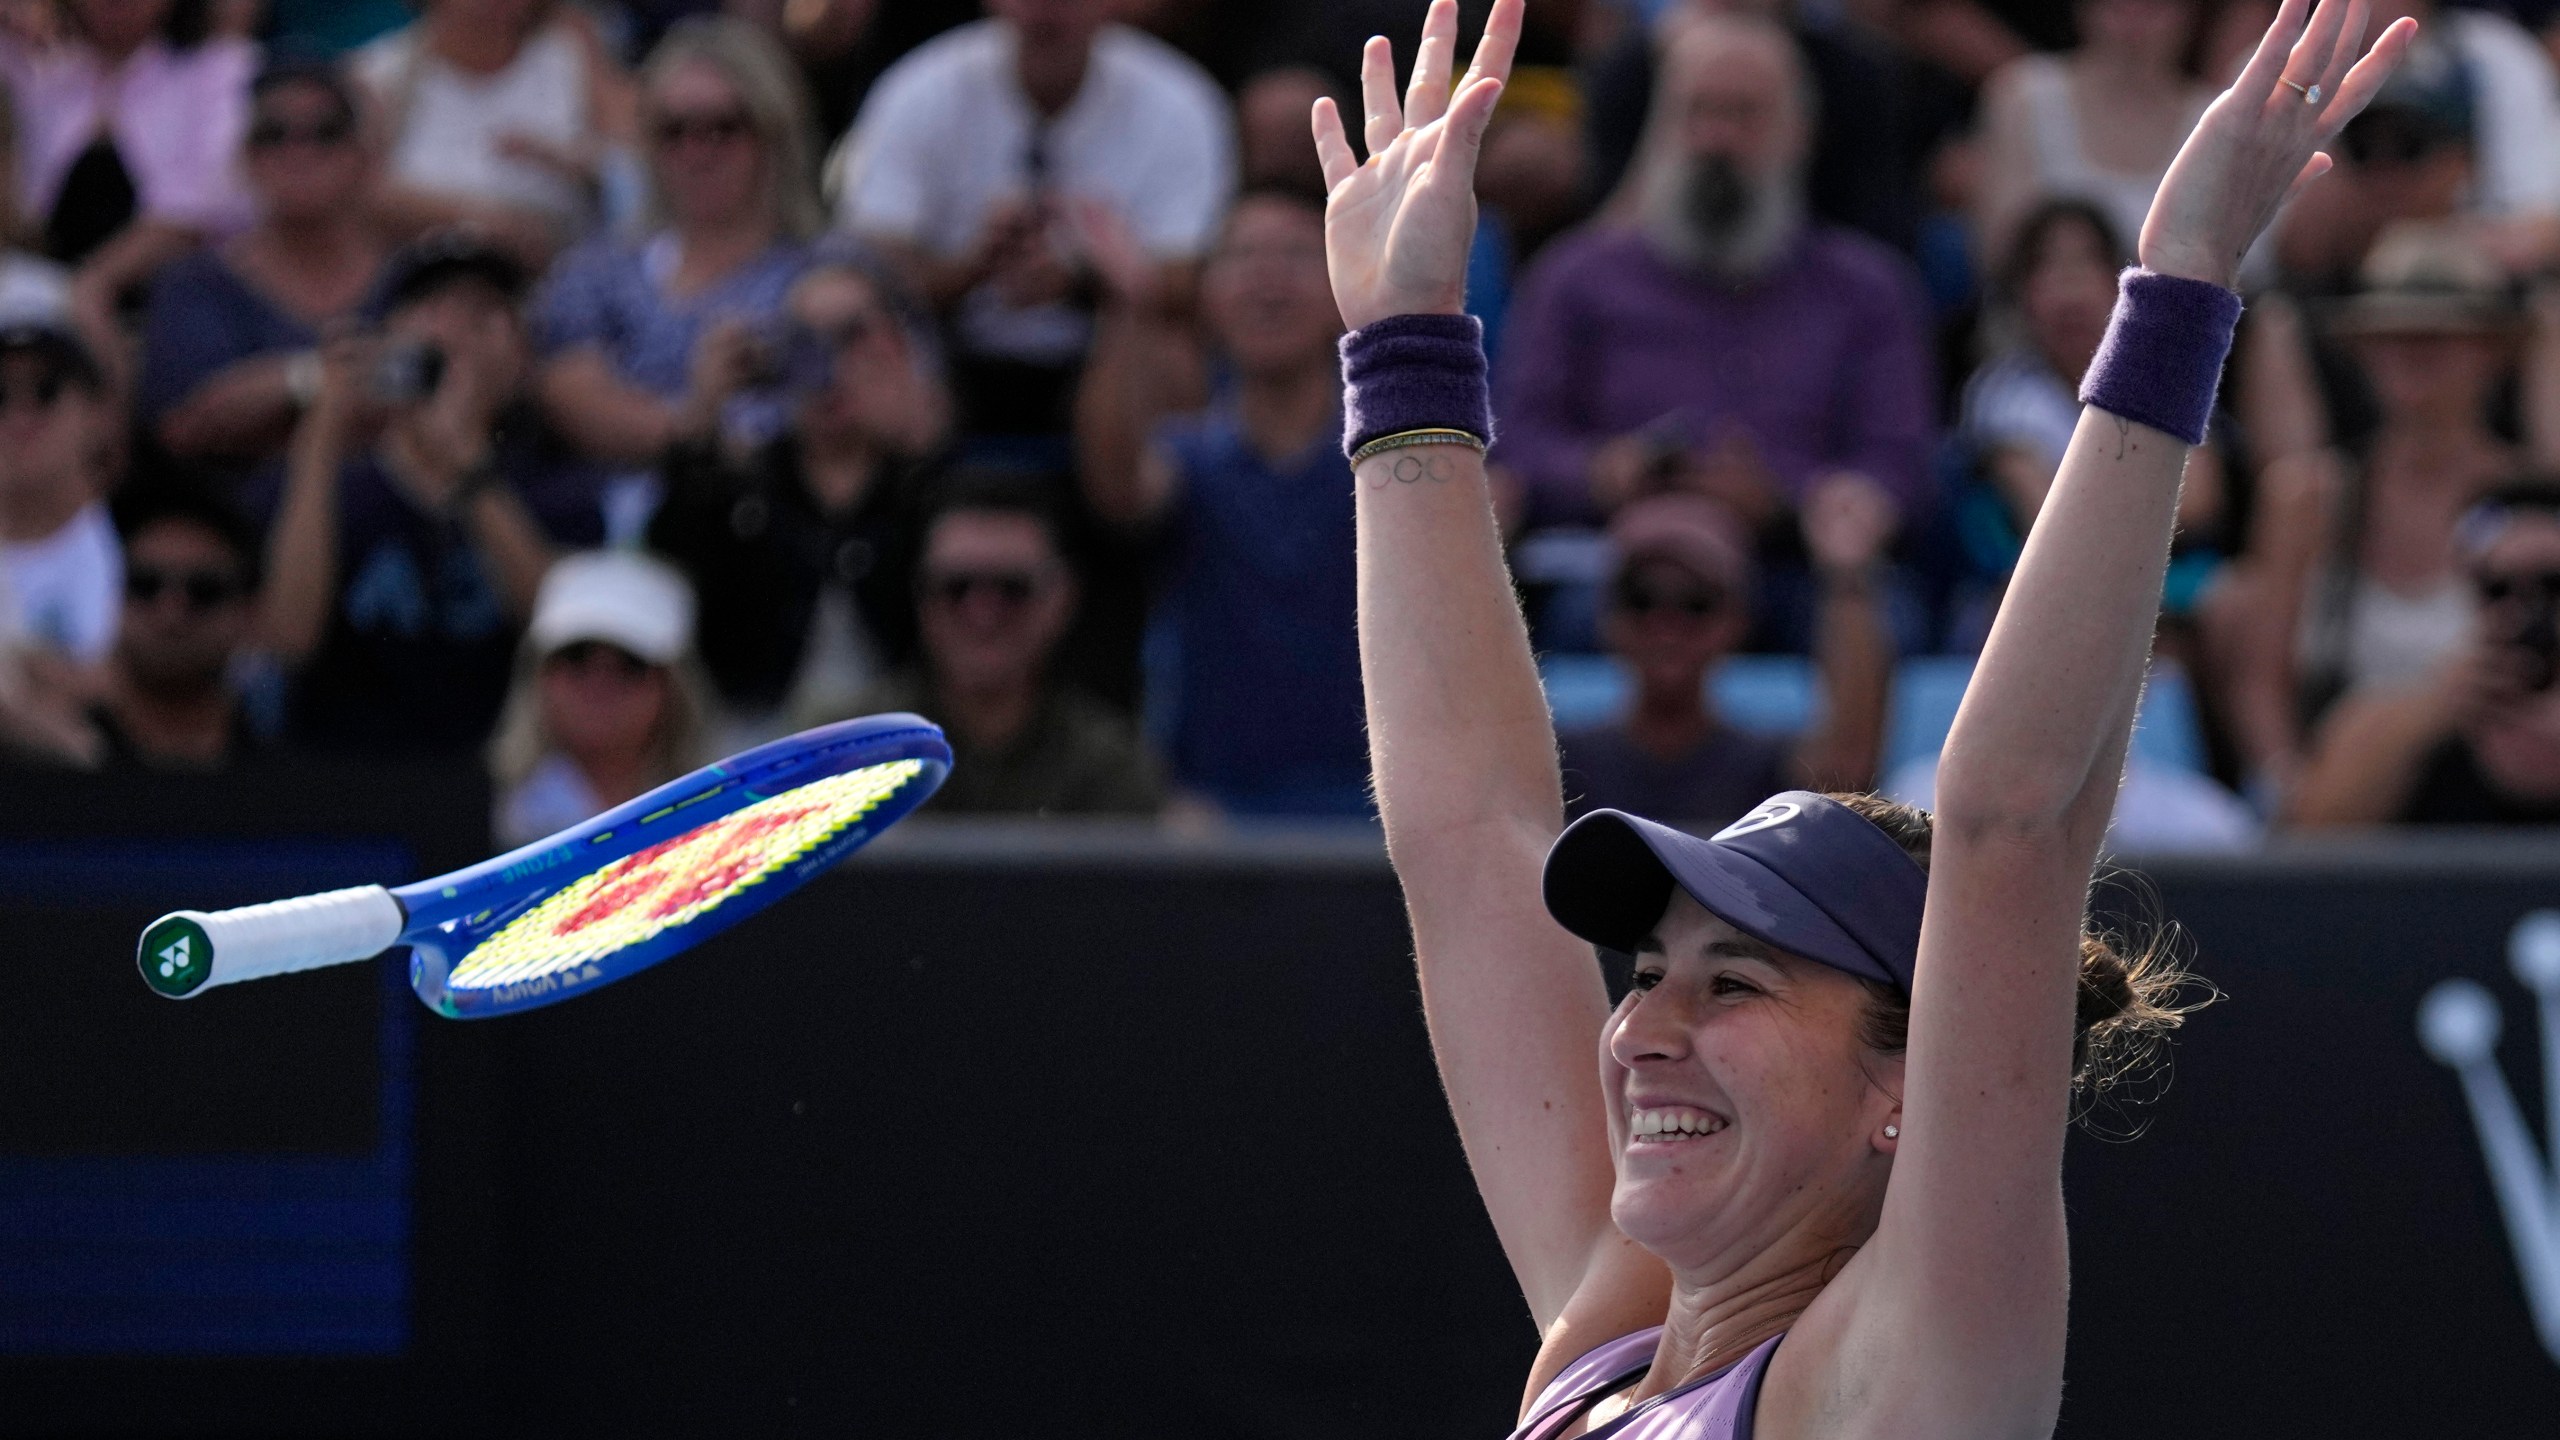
(2258, 144)
(1398, 228)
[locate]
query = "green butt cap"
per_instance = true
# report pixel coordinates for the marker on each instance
(176, 956)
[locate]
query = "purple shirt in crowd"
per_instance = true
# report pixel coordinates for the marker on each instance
(1824, 363)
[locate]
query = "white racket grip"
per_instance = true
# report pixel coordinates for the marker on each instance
(191, 951)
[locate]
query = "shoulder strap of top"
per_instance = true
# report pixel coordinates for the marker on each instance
(1726, 1411)
(1601, 1369)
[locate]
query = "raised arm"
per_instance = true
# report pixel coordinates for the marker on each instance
(1460, 741)
(1957, 1308)
(302, 548)
(1147, 363)
(1847, 522)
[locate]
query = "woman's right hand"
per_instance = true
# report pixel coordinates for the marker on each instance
(2258, 144)
(1398, 228)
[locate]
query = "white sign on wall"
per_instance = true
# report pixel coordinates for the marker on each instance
(2458, 1022)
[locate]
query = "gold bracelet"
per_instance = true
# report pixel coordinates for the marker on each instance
(1433, 436)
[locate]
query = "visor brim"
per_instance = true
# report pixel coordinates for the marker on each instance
(1610, 876)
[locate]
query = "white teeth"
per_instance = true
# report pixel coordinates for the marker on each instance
(1672, 1122)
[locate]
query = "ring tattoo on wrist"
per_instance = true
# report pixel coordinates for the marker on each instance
(1409, 470)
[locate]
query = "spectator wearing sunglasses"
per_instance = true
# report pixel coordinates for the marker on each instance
(607, 701)
(1678, 604)
(229, 356)
(993, 598)
(57, 543)
(651, 341)
(168, 699)
(506, 115)
(2476, 740)
(803, 550)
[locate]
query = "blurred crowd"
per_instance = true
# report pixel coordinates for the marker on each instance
(591, 389)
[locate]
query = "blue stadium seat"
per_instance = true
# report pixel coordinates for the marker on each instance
(1780, 693)
(1756, 692)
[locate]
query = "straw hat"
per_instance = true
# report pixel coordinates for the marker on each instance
(2428, 279)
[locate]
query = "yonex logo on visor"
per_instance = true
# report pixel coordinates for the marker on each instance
(1772, 813)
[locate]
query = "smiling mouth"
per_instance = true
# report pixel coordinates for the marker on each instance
(1671, 1126)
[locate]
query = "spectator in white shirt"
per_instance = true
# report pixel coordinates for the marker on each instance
(58, 550)
(507, 114)
(979, 162)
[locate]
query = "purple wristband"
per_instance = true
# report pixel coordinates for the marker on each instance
(2161, 362)
(1414, 372)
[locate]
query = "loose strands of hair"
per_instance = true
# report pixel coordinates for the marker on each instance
(2135, 989)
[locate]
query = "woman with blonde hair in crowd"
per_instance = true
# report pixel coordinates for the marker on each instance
(504, 114)
(648, 341)
(607, 703)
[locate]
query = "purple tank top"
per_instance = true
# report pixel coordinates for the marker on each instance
(1714, 1407)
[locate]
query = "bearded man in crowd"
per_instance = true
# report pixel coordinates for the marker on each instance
(1704, 335)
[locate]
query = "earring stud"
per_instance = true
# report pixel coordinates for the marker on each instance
(1893, 1132)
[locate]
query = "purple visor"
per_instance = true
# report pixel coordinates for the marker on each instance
(1803, 873)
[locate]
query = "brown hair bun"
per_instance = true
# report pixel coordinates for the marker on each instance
(2133, 990)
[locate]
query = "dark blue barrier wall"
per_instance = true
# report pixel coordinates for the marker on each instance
(1005, 1134)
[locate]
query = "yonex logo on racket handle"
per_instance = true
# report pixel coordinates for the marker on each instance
(176, 956)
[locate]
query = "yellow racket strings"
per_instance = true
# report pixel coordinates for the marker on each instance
(677, 881)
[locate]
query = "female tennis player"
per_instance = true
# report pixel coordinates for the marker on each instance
(1817, 1191)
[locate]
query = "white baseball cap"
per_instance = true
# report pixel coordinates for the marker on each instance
(621, 597)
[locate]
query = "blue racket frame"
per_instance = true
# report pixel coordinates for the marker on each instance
(449, 916)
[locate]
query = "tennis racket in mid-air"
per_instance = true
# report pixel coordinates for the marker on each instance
(593, 903)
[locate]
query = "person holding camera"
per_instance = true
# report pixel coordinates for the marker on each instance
(406, 555)
(803, 549)
(2477, 740)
